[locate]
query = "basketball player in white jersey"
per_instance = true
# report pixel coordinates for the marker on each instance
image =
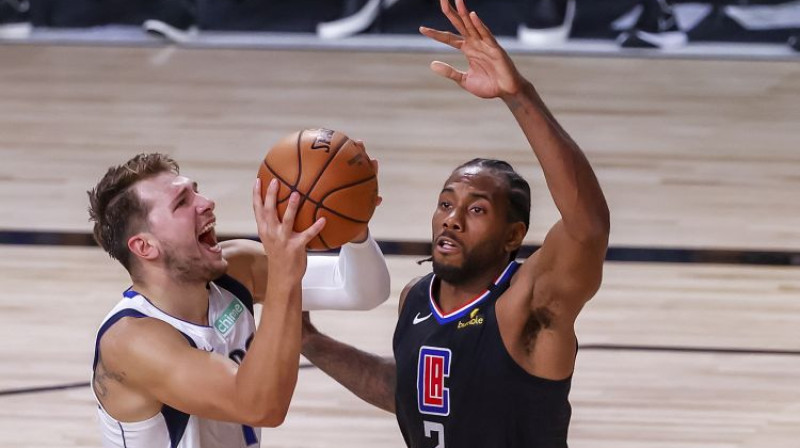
(170, 368)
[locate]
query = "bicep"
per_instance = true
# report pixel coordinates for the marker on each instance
(568, 272)
(160, 363)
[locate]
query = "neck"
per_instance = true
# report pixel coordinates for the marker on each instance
(452, 296)
(186, 301)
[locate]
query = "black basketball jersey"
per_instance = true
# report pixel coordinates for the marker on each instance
(457, 385)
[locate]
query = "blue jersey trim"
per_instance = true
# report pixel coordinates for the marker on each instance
(128, 312)
(237, 289)
(107, 324)
(249, 435)
(176, 424)
(442, 318)
(131, 293)
(122, 430)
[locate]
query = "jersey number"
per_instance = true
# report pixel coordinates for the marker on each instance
(435, 427)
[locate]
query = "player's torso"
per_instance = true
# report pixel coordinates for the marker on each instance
(457, 386)
(229, 333)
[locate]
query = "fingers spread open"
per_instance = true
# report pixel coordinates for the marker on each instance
(452, 15)
(257, 204)
(265, 210)
(291, 212)
(447, 71)
(483, 30)
(311, 232)
(444, 37)
(464, 14)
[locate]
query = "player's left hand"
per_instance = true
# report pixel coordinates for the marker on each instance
(491, 72)
(362, 236)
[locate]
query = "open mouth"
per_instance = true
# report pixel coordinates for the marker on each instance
(208, 238)
(447, 245)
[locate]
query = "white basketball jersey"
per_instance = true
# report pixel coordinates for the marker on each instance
(230, 330)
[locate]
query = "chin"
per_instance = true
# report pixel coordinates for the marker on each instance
(449, 273)
(220, 268)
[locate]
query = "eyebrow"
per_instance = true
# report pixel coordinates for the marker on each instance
(479, 195)
(181, 194)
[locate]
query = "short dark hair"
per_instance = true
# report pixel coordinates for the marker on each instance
(116, 210)
(519, 191)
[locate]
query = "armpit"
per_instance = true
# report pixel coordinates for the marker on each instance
(539, 319)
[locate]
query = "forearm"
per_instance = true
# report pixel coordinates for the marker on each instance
(357, 279)
(370, 377)
(268, 374)
(570, 178)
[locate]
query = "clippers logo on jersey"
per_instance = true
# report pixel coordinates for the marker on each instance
(433, 367)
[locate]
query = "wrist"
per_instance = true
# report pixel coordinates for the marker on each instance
(522, 93)
(361, 238)
(309, 342)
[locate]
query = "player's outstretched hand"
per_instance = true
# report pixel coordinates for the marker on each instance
(285, 248)
(491, 73)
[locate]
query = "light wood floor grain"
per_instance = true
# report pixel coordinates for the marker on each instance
(690, 153)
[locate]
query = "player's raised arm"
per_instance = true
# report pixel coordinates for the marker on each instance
(150, 356)
(575, 247)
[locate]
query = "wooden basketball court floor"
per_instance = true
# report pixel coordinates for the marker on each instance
(691, 154)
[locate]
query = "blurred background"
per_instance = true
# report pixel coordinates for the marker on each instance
(688, 112)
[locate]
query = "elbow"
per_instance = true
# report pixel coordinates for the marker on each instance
(603, 223)
(273, 420)
(372, 294)
(598, 227)
(270, 417)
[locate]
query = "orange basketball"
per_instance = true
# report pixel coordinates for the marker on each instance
(334, 177)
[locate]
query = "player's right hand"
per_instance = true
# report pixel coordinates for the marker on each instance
(285, 248)
(491, 73)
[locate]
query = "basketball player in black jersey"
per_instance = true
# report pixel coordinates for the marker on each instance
(484, 348)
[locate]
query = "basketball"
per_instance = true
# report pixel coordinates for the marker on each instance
(334, 177)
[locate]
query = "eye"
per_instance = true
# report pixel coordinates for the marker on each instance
(478, 210)
(444, 205)
(180, 203)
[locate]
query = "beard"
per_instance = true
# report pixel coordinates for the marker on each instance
(474, 264)
(191, 268)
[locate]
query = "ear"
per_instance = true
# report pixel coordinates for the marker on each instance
(516, 233)
(144, 245)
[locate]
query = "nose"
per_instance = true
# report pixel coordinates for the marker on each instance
(453, 220)
(205, 204)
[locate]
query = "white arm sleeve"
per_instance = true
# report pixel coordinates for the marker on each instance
(357, 279)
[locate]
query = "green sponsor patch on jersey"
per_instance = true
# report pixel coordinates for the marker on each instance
(227, 319)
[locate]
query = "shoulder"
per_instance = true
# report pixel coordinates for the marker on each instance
(245, 258)
(131, 341)
(133, 336)
(406, 290)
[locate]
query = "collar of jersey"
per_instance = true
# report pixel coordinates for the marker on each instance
(130, 293)
(462, 311)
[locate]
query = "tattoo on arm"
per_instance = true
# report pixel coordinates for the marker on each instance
(102, 376)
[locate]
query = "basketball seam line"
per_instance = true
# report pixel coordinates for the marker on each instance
(282, 180)
(341, 187)
(299, 161)
(320, 205)
(325, 167)
(315, 181)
